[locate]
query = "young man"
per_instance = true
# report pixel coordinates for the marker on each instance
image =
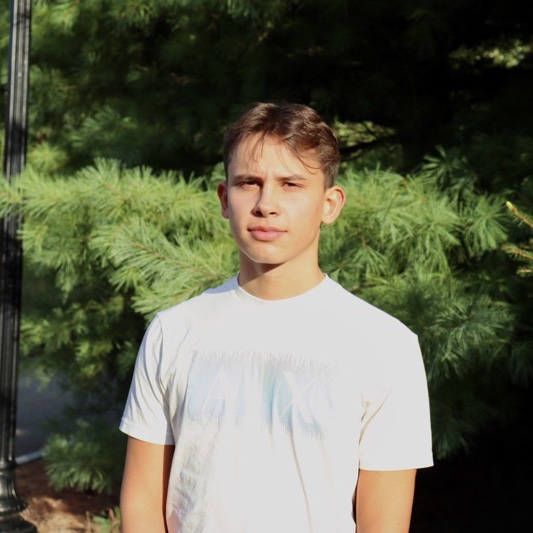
(277, 402)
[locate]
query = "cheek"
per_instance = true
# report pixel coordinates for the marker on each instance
(234, 207)
(237, 213)
(313, 212)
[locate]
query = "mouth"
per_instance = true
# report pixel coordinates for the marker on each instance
(266, 233)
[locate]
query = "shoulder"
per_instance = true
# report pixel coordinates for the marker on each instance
(381, 346)
(196, 308)
(172, 326)
(361, 316)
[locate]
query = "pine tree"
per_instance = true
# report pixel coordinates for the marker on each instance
(94, 295)
(154, 83)
(121, 244)
(521, 360)
(523, 252)
(423, 255)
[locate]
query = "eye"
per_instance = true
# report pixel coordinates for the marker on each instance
(247, 183)
(291, 185)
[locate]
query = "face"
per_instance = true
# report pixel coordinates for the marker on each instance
(276, 204)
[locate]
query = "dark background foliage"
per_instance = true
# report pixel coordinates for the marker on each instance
(437, 93)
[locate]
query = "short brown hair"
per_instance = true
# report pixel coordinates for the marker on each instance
(298, 126)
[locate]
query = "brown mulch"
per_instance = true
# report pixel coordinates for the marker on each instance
(64, 511)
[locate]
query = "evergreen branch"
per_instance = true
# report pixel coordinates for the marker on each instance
(519, 252)
(155, 255)
(523, 252)
(11, 198)
(518, 214)
(355, 150)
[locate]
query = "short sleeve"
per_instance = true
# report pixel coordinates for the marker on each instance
(146, 413)
(396, 426)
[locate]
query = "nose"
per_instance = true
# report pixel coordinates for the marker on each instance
(267, 202)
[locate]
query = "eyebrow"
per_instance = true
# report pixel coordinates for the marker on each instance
(292, 177)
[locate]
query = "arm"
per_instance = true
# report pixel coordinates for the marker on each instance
(144, 486)
(383, 501)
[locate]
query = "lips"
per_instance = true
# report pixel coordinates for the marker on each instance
(266, 233)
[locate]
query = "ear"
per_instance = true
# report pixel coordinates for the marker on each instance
(333, 204)
(222, 191)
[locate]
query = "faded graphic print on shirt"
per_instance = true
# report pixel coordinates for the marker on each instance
(270, 389)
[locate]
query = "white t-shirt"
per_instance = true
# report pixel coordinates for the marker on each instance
(274, 405)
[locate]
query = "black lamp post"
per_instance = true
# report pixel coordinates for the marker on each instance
(11, 265)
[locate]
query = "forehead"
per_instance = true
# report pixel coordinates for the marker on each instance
(257, 153)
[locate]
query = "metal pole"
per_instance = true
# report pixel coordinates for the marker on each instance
(11, 265)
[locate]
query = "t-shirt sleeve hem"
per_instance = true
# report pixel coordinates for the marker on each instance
(384, 467)
(144, 434)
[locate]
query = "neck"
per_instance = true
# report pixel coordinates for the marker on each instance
(273, 282)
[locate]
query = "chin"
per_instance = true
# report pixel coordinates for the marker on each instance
(263, 259)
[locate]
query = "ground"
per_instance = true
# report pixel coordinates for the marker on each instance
(53, 511)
